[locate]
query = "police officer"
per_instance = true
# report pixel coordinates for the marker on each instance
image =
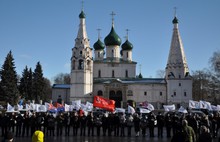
(151, 120)
(160, 124)
(67, 124)
(143, 124)
(98, 123)
(136, 124)
(90, 123)
(122, 124)
(26, 124)
(18, 119)
(60, 122)
(104, 124)
(75, 123)
(116, 124)
(82, 120)
(168, 122)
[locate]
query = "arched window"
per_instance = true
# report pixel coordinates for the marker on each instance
(99, 73)
(100, 93)
(73, 64)
(112, 53)
(113, 73)
(126, 73)
(81, 65)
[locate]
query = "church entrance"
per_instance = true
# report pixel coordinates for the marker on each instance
(116, 96)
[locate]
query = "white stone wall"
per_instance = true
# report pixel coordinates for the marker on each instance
(119, 69)
(113, 51)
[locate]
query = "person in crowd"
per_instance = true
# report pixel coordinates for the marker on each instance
(67, 123)
(143, 124)
(136, 121)
(18, 119)
(75, 122)
(38, 136)
(151, 120)
(168, 123)
(116, 124)
(4, 123)
(205, 135)
(98, 123)
(188, 132)
(26, 124)
(90, 123)
(160, 124)
(122, 124)
(60, 123)
(110, 121)
(12, 121)
(33, 120)
(45, 125)
(51, 125)
(82, 120)
(104, 124)
(129, 122)
(178, 136)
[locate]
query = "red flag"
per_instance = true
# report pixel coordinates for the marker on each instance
(57, 105)
(104, 103)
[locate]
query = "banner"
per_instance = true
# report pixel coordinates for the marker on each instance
(194, 104)
(182, 110)
(144, 110)
(10, 108)
(119, 110)
(104, 103)
(169, 107)
(89, 106)
(76, 104)
(40, 108)
(131, 110)
(67, 107)
(147, 105)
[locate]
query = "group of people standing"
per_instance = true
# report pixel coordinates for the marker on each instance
(76, 123)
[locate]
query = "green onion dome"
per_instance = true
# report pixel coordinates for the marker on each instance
(112, 38)
(82, 15)
(99, 45)
(175, 20)
(127, 45)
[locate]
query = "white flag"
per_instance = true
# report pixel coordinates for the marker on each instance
(194, 104)
(40, 108)
(10, 108)
(67, 107)
(143, 110)
(131, 110)
(150, 107)
(76, 104)
(169, 107)
(89, 106)
(20, 107)
(118, 110)
(182, 109)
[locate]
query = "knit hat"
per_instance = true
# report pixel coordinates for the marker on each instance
(38, 136)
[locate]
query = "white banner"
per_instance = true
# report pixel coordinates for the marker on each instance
(143, 110)
(76, 104)
(131, 110)
(119, 110)
(182, 110)
(169, 107)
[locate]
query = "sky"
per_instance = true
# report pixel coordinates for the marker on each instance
(44, 31)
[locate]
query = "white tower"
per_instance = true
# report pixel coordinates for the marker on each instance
(179, 82)
(81, 65)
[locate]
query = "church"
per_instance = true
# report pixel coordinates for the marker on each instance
(107, 69)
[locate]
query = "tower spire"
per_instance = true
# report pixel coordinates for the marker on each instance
(127, 30)
(175, 9)
(113, 14)
(82, 5)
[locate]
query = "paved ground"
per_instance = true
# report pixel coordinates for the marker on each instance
(95, 138)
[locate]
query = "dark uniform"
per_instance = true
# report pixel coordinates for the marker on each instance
(82, 121)
(67, 123)
(51, 125)
(26, 124)
(136, 124)
(60, 123)
(75, 123)
(98, 124)
(129, 122)
(90, 123)
(168, 122)
(151, 120)
(122, 124)
(143, 125)
(160, 124)
(104, 124)
(18, 119)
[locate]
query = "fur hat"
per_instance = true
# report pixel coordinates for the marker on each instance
(38, 136)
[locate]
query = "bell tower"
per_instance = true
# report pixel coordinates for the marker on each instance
(81, 65)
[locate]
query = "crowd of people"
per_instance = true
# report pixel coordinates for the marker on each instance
(187, 127)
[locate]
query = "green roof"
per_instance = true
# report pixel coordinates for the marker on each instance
(175, 20)
(99, 45)
(82, 15)
(112, 38)
(127, 45)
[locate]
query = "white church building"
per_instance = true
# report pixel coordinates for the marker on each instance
(111, 72)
